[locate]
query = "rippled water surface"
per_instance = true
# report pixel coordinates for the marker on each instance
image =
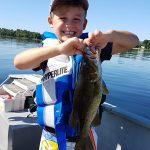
(128, 78)
(127, 75)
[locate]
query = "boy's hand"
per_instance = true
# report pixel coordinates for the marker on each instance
(71, 46)
(96, 40)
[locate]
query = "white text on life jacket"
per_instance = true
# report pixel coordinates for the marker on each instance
(54, 73)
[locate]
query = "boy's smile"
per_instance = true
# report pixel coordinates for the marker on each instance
(69, 33)
(68, 22)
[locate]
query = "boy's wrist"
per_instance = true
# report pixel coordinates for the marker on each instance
(54, 50)
(59, 49)
(109, 35)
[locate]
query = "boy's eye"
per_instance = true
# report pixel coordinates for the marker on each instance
(77, 20)
(63, 18)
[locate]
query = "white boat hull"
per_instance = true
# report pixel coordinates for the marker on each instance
(15, 89)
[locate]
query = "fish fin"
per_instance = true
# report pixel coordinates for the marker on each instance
(96, 121)
(105, 91)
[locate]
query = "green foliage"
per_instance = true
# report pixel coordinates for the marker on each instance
(20, 34)
(139, 45)
(37, 36)
(146, 44)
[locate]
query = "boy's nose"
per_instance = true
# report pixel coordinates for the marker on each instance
(69, 25)
(69, 22)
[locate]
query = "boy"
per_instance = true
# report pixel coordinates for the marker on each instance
(68, 19)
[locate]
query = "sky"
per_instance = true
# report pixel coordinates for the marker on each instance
(131, 15)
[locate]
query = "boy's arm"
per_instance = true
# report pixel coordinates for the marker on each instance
(33, 57)
(122, 40)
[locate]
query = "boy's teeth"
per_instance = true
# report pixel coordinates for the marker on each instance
(69, 33)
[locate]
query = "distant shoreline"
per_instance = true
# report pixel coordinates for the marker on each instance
(35, 36)
(20, 38)
(135, 48)
(20, 34)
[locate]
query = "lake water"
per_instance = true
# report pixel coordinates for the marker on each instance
(127, 75)
(8, 49)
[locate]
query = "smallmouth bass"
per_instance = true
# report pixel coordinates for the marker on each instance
(87, 97)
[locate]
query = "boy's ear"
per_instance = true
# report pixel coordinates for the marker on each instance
(85, 23)
(50, 22)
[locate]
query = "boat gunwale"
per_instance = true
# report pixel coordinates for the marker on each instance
(137, 119)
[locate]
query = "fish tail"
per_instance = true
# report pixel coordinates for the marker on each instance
(80, 145)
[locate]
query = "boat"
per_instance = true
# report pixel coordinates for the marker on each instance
(122, 130)
(119, 129)
(16, 90)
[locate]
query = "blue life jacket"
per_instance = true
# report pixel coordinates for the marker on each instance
(52, 107)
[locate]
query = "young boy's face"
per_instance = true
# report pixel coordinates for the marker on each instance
(68, 22)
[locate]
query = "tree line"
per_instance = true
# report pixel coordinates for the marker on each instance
(37, 36)
(20, 34)
(144, 44)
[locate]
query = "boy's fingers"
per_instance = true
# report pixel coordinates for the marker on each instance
(97, 33)
(91, 39)
(98, 50)
(79, 46)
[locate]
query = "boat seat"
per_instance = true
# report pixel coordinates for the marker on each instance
(25, 84)
(13, 89)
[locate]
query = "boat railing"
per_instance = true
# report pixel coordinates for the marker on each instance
(137, 119)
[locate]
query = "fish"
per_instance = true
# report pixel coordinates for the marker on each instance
(86, 98)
